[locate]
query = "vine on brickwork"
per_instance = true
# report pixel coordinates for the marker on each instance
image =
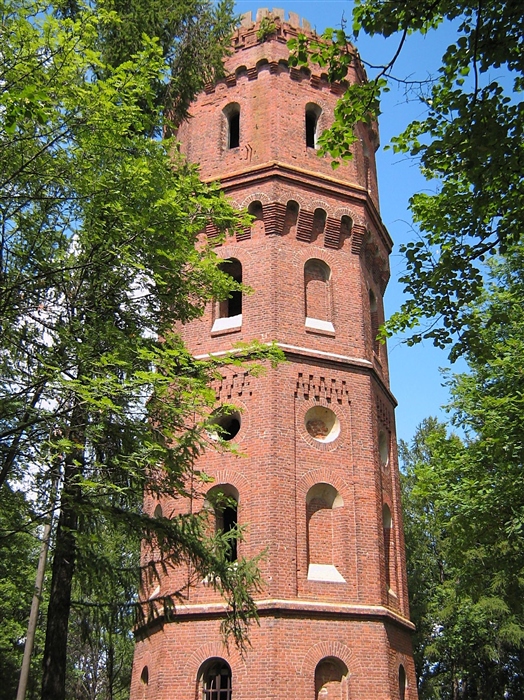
(267, 28)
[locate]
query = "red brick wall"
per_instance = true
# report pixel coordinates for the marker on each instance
(359, 620)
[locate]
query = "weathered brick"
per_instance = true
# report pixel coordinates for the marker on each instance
(312, 486)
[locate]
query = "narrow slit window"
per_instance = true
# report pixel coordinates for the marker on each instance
(312, 115)
(291, 218)
(257, 227)
(229, 523)
(387, 525)
(234, 129)
(224, 501)
(373, 312)
(401, 682)
(233, 305)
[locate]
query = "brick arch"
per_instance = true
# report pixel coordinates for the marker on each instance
(139, 664)
(259, 196)
(321, 650)
(232, 249)
(209, 651)
(285, 197)
(323, 475)
(233, 477)
(316, 251)
(314, 204)
(346, 211)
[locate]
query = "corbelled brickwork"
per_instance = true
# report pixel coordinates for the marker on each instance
(317, 486)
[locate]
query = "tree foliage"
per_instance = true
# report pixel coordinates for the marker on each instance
(19, 547)
(99, 225)
(192, 36)
(464, 509)
(469, 144)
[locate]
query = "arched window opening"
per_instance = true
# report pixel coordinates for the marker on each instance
(313, 113)
(234, 130)
(346, 225)
(158, 511)
(291, 218)
(373, 312)
(223, 499)
(256, 210)
(331, 676)
(144, 676)
(232, 115)
(322, 501)
(216, 681)
(402, 682)
(319, 224)
(229, 311)
(387, 527)
(317, 292)
(383, 448)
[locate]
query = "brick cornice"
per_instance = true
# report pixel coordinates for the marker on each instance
(308, 180)
(326, 359)
(312, 609)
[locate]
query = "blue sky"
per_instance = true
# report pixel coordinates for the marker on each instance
(415, 378)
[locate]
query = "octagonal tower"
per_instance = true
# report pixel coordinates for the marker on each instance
(317, 486)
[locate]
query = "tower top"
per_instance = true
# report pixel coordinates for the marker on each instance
(273, 25)
(278, 15)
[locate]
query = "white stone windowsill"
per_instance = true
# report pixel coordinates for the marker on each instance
(227, 324)
(317, 324)
(324, 572)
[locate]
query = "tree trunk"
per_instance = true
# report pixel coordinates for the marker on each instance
(55, 651)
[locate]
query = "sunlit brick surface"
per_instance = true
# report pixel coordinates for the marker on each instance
(312, 487)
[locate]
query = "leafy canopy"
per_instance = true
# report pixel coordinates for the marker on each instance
(464, 510)
(99, 258)
(469, 144)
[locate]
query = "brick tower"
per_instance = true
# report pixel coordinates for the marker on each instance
(317, 485)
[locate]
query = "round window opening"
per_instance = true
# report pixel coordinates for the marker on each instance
(322, 424)
(224, 425)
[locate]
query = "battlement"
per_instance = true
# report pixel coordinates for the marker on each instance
(278, 15)
(272, 26)
(269, 25)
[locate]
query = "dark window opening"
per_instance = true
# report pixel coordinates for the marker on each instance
(330, 678)
(224, 501)
(231, 428)
(225, 425)
(256, 210)
(291, 218)
(233, 305)
(345, 226)
(229, 522)
(144, 676)
(217, 682)
(401, 683)
(311, 129)
(234, 130)
(319, 224)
